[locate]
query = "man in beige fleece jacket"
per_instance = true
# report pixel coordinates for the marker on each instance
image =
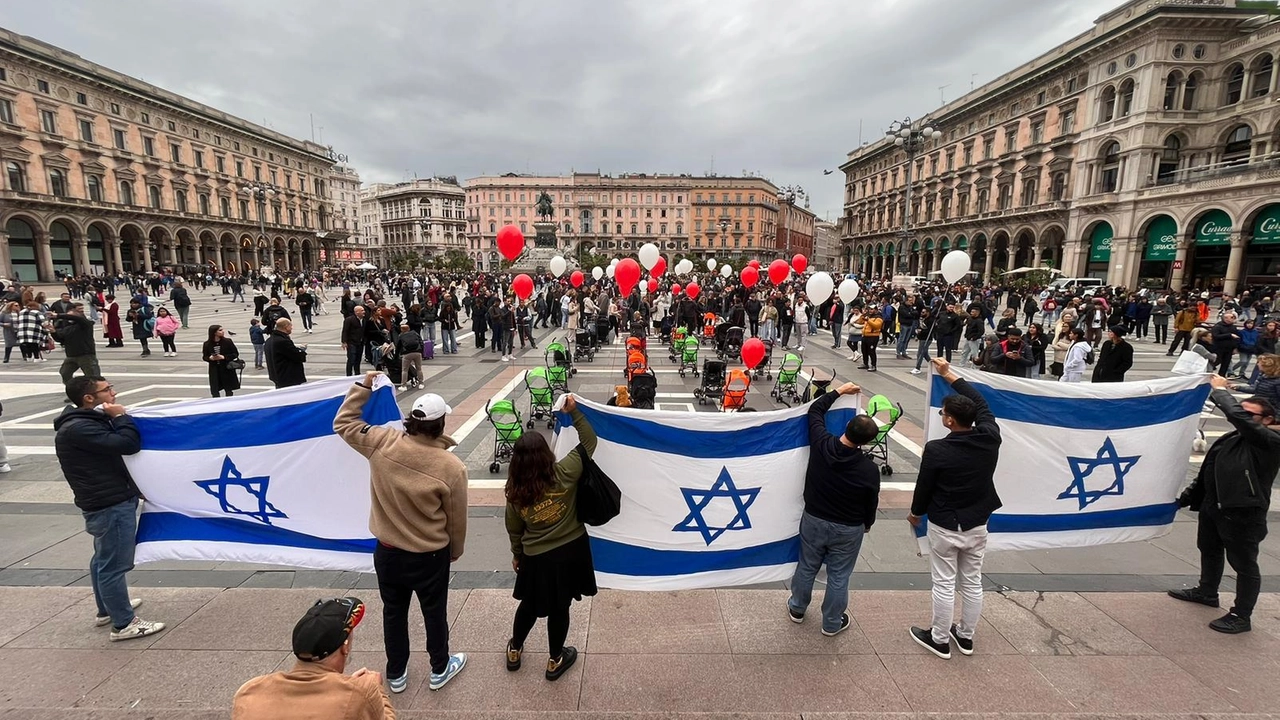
(418, 513)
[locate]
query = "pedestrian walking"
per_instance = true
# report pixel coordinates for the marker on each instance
(31, 331)
(1184, 322)
(956, 489)
(352, 339)
(181, 300)
(112, 330)
(258, 339)
(76, 334)
(142, 322)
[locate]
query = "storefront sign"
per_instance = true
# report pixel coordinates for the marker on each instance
(1100, 243)
(1162, 239)
(1214, 229)
(1177, 264)
(1266, 229)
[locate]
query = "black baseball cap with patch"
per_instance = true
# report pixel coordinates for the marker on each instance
(325, 626)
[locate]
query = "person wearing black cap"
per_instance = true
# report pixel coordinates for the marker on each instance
(841, 494)
(1115, 358)
(317, 686)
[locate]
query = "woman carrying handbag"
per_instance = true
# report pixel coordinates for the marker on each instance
(224, 362)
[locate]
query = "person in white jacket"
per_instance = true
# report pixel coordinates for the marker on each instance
(800, 318)
(1073, 369)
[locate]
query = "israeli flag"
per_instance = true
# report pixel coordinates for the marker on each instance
(257, 478)
(1083, 463)
(708, 500)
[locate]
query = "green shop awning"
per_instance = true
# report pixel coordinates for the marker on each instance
(944, 245)
(1266, 229)
(1100, 243)
(1162, 239)
(962, 243)
(915, 246)
(928, 244)
(1214, 229)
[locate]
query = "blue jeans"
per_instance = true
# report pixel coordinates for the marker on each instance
(448, 340)
(259, 354)
(114, 530)
(836, 545)
(904, 338)
(429, 332)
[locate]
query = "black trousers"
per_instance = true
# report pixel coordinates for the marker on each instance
(1224, 361)
(557, 627)
(401, 575)
(869, 345)
(354, 351)
(1162, 334)
(1237, 535)
(1183, 336)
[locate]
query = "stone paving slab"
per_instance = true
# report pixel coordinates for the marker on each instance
(729, 653)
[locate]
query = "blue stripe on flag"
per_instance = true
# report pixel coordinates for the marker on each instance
(261, 426)
(1083, 413)
(621, 559)
(169, 526)
(1144, 516)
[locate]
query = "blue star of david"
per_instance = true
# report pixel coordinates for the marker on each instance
(1082, 468)
(698, 500)
(255, 486)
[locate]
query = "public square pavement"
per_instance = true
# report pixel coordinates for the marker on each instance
(1083, 630)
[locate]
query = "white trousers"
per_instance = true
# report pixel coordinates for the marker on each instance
(956, 553)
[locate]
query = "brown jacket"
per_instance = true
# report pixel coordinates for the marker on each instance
(418, 488)
(311, 690)
(1186, 320)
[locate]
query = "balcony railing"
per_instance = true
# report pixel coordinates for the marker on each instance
(1216, 175)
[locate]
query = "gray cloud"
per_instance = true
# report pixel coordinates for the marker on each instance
(464, 87)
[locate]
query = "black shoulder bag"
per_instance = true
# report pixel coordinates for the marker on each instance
(599, 499)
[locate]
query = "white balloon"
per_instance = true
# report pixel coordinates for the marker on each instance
(848, 290)
(558, 266)
(819, 288)
(726, 271)
(684, 267)
(649, 255)
(644, 288)
(711, 263)
(955, 265)
(597, 272)
(613, 262)
(610, 270)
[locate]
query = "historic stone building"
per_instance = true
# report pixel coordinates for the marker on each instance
(344, 199)
(425, 217)
(701, 217)
(103, 172)
(1145, 151)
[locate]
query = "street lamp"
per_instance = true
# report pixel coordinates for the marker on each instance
(787, 195)
(260, 191)
(912, 137)
(724, 231)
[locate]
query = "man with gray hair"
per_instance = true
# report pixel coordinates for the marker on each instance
(284, 359)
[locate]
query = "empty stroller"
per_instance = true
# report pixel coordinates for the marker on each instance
(507, 429)
(788, 383)
(709, 322)
(878, 449)
(678, 335)
(559, 365)
(734, 397)
(713, 378)
(819, 383)
(584, 345)
(766, 365)
(642, 387)
(603, 328)
(541, 396)
(689, 355)
(730, 347)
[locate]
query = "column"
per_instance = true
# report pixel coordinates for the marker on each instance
(80, 251)
(116, 258)
(44, 258)
(990, 261)
(217, 256)
(1011, 257)
(6, 260)
(239, 259)
(1235, 264)
(1179, 265)
(146, 256)
(1035, 256)
(1118, 266)
(937, 260)
(920, 268)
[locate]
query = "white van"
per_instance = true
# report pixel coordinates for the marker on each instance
(1073, 284)
(908, 282)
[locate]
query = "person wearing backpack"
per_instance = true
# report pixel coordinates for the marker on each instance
(1078, 356)
(181, 301)
(409, 348)
(143, 323)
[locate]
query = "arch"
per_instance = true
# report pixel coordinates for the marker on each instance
(1237, 145)
(1194, 81)
(76, 227)
(1124, 100)
(21, 230)
(62, 239)
(1159, 236)
(1233, 89)
(1109, 177)
(1260, 71)
(1097, 237)
(1262, 225)
(97, 238)
(1172, 84)
(928, 244)
(1108, 103)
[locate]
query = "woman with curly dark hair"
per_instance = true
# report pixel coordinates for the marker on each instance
(550, 550)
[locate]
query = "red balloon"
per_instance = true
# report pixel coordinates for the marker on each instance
(522, 286)
(800, 263)
(692, 290)
(752, 352)
(626, 274)
(510, 242)
(675, 289)
(754, 263)
(653, 285)
(575, 278)
(749, 276)
(779, 271)
(659, 267)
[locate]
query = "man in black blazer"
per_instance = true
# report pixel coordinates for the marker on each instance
(284, 359)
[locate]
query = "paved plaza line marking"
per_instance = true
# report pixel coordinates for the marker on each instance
(480, 415)
(676, 407)
(19, 450)
(23, 423)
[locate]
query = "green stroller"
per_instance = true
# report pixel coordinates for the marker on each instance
(788, 383)
(507, 429)
(878, 448)
(689, 355)
(559, 365)
(541, 397)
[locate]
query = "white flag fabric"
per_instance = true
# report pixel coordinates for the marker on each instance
(257, 478)
(1083, 463)
(708, 499)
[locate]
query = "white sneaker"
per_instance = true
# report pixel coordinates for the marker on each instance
(137, 629)
(4, 468)
(915, 371)
(401, 388)
(103, 620)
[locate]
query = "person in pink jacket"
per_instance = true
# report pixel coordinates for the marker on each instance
(167, 329)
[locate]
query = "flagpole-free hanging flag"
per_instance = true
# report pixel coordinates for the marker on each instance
(257, 478)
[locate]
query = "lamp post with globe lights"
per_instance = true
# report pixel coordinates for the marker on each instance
(260, 191)
(787, 195)
(912, 137)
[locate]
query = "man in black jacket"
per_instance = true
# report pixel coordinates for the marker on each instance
(1232, 492)
(181, 300)
(93, 436)
(841, 494)
(956, 489)
(353, 339)
(1115, 358)
(75, 332)
(284, 359)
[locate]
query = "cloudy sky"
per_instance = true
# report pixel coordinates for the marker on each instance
(470, 87)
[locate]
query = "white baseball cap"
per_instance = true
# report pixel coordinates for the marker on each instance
(430, 406)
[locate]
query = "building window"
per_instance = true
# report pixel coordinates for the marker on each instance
(148, 146)
(82, 99)
(988, 147)
(1235, 84)
(1068, 122)
(1171, 85)
(203, 199)
(239, 168)
(224, 204)
(1010, 140)
(146, 118)
(6, 111)
(175, 152)
(1131, 60)
(126, 192)
(220, 163)
(115, 108)
(1006, 197)
(983, 200)
(1179, 51)
(257, 173)
(86, 130)
(1110, 179)
(198, 157)
(94, 185)
(153, 196)
(1261, 72)
(17, 178)
(49, 121)
(43, 86)
(968, 160)
(1126, 98)
(1037, 132)
(1059, 187)
(57, 183)
(1170, 157)
(244, 209)
(293, 217)
(1029, 192)
(180, 200)
(1189, 92)
(1199, 52)
(1108, 109)
(275, 214)
(1239, 144)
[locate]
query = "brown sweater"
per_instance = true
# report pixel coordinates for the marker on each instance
(418, 487)
(311, 690)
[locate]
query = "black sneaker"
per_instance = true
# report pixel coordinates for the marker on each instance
(796, 617)
(513, 657)
(1195, 595)
(844, 625)
(557, 666)
(1231, 624)
(924, 638)
(965, 646)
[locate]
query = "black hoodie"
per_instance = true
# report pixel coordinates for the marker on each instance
(841, 484)
(91, 447)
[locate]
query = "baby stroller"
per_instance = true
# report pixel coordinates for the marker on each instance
(817, 385)
(664, 329)
(709, 328)
(642, 387)
(507, 429)
(541, 396)
(766, 365)
(677, 342)
(788, 383)
(713, 378)
(689, 356)
(603, 328)
(731, 346)
(584, 345)
(878, 448)
(559, 365)
(734, 397)
(636, 363)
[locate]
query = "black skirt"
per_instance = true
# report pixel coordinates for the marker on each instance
(554, 579)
